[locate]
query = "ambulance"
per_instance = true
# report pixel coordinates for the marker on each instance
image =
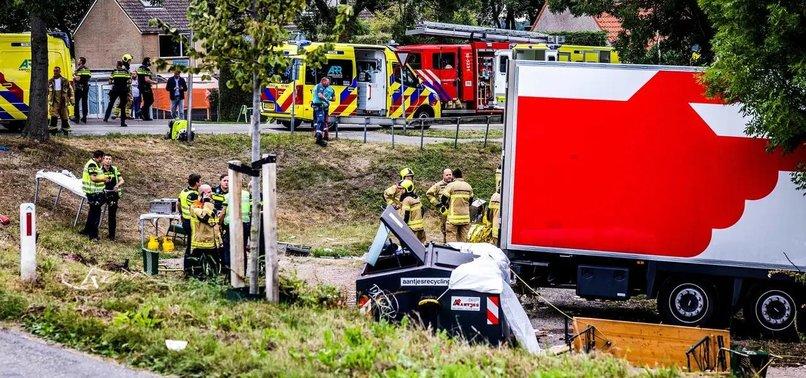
(368, 81)
(547, 53)
(15, 74)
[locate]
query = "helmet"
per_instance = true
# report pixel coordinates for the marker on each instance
(408, 185)
(406, 172)
(127, 57)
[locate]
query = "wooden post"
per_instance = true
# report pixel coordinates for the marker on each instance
(236, 252)
(270, 227)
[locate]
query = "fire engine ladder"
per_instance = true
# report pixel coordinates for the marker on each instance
(480, 33)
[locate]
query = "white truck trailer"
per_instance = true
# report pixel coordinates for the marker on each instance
(621, 180)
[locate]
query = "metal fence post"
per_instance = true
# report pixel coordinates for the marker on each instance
(393, 133)
(422, 133)
(456, 137)
(366, 124)
(337, 129)
(487, 132)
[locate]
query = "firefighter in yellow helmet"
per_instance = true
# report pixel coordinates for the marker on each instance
(392, 194)
(411, 209)
(494, 209)
(457, 197)
(434, 193)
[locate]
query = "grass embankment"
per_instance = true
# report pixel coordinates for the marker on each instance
(328, 197)
(414, 131)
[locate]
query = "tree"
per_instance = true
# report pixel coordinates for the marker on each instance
(39, 17)
(655, 31)
(761, 62)
(247, 37)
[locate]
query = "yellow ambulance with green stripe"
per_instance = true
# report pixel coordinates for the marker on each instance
(15, 74)
(368, 81)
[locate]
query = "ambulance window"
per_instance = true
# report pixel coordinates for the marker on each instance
(340, 72)
(444, 61)
(604, 56)
(283, 74)
(414, 61)
(409, 79)
(502, 63)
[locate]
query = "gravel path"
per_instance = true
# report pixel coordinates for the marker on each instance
(22, 355)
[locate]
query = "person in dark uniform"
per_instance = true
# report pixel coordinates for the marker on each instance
(82, 82)
(144, 81)
(120, 80)
(112, 191)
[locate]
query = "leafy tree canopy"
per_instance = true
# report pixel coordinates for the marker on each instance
(761, 62)
(655, 31)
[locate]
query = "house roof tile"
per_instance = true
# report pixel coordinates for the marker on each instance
(172, 12)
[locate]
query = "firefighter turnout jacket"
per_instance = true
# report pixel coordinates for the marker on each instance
(204, 224)
(457, 197)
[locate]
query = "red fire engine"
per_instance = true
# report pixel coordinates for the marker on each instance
(462, 74)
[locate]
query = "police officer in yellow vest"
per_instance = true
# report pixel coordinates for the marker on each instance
(186, 197)
(220, 192)
(434, 195)
(121, 81)
(206, 243)
(457, 197)
(60, 95)
(411, 209)
(93, 182)
(392, 194)
(82, 81)
(112, 193)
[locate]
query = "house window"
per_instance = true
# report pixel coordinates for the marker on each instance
(151, 4)
(170, 47)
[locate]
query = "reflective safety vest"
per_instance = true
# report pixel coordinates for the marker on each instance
(459, 194)
(186, 196)
(91, 168)
(246, 207)
(495, 213)
(219, 198)
(412, 210)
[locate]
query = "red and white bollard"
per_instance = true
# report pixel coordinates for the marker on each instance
(28, 242)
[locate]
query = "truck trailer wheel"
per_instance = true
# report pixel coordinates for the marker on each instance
(688, 302)
(772, 311)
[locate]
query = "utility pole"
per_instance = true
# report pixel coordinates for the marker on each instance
(190, 93)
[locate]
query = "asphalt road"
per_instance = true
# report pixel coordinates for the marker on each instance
(22, 355)
(352, 132)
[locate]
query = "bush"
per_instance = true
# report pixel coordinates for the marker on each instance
(295, 291)
(12, 306)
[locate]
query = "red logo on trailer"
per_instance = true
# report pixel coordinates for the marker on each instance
(646, 175)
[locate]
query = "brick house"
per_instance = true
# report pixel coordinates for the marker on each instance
(550, 22)
(112, 28)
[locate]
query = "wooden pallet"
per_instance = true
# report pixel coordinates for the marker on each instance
(654, 345)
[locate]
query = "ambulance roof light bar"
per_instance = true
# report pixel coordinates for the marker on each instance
(480, 33)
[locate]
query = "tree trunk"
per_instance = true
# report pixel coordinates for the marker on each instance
(254, 233)
(37, 126)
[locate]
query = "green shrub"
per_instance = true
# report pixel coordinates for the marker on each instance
(12, 306)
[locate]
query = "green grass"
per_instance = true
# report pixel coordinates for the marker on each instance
(444, 133)
(130, 316)
(328, 198)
